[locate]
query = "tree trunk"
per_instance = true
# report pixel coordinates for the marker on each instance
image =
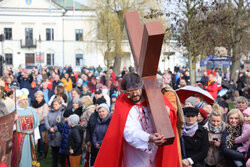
(192, 70)
(235, 63)
(117, 63)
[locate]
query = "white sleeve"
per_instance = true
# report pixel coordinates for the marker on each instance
(37, 133)
(133, 132)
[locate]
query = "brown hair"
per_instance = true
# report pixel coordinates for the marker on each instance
(60, 89)
(76, 90)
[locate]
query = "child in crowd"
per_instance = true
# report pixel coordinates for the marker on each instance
(75, 140)
(245, 136)
(113, 98)
(64, 128)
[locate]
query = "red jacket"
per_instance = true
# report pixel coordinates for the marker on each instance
(212, 88)
(2, 164)
(111, 153)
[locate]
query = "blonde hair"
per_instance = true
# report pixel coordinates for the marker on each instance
(216, 111)
(57, 100)
(241, 99)
(39, 93)
(86, 100)
(235, 111)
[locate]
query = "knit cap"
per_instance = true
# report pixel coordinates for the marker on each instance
(104, 105)
(203, 113)
(191, 100)
(73, 119)
(200, 104)
(247, 111)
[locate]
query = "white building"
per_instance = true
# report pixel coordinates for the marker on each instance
(47, 33)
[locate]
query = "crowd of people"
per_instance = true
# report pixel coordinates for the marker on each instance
(70, 112)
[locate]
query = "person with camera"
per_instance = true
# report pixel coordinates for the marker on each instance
(215, 126)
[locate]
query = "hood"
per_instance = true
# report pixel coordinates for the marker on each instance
(105, 120)
(79, 128)
(247, 111)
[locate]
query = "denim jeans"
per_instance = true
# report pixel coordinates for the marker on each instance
(40, 141)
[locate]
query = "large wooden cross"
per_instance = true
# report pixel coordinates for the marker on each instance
(146, 47)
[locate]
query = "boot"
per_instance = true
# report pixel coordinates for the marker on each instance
(46, 148)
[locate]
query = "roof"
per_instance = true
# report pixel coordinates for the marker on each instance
(72, 4)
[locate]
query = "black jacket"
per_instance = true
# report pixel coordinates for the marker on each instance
(75, 139)
(196, 147)
(230, 153)
(78, 112)
(91, 126)
(25, 82)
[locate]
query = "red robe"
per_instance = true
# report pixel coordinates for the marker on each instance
(111, 152)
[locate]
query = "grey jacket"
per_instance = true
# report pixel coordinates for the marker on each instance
(54, 140)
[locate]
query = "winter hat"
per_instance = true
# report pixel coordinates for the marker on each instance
(191, 100)
(114, 95)
(33, 84)
(22, 94)
(247, 111)
(200, 104)
(67, 113)
(203, 113)
(100, 101)
(104, 105)
(190, 111)
(77, 100)
(98, 91)
(74, 119)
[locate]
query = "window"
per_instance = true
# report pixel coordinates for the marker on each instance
(49, 34)
(50, 59)
(8, 33)
(8, 59)
(78, 34)
(28, 36)
(79, 60)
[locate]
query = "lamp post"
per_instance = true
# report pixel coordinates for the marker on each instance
(39, 41)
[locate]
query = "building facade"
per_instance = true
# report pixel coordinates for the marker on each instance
(46, 32)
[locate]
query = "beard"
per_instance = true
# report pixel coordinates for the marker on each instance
(23, 105)
(135, 99)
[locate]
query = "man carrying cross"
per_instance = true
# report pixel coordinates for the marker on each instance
(142, 131)
(130, 140)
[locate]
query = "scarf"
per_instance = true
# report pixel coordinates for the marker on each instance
(190, 130)
(216, 130)
(233, 132)
(34, 104)
(85, 107)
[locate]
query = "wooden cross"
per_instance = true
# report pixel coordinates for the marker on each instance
(146, 47)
